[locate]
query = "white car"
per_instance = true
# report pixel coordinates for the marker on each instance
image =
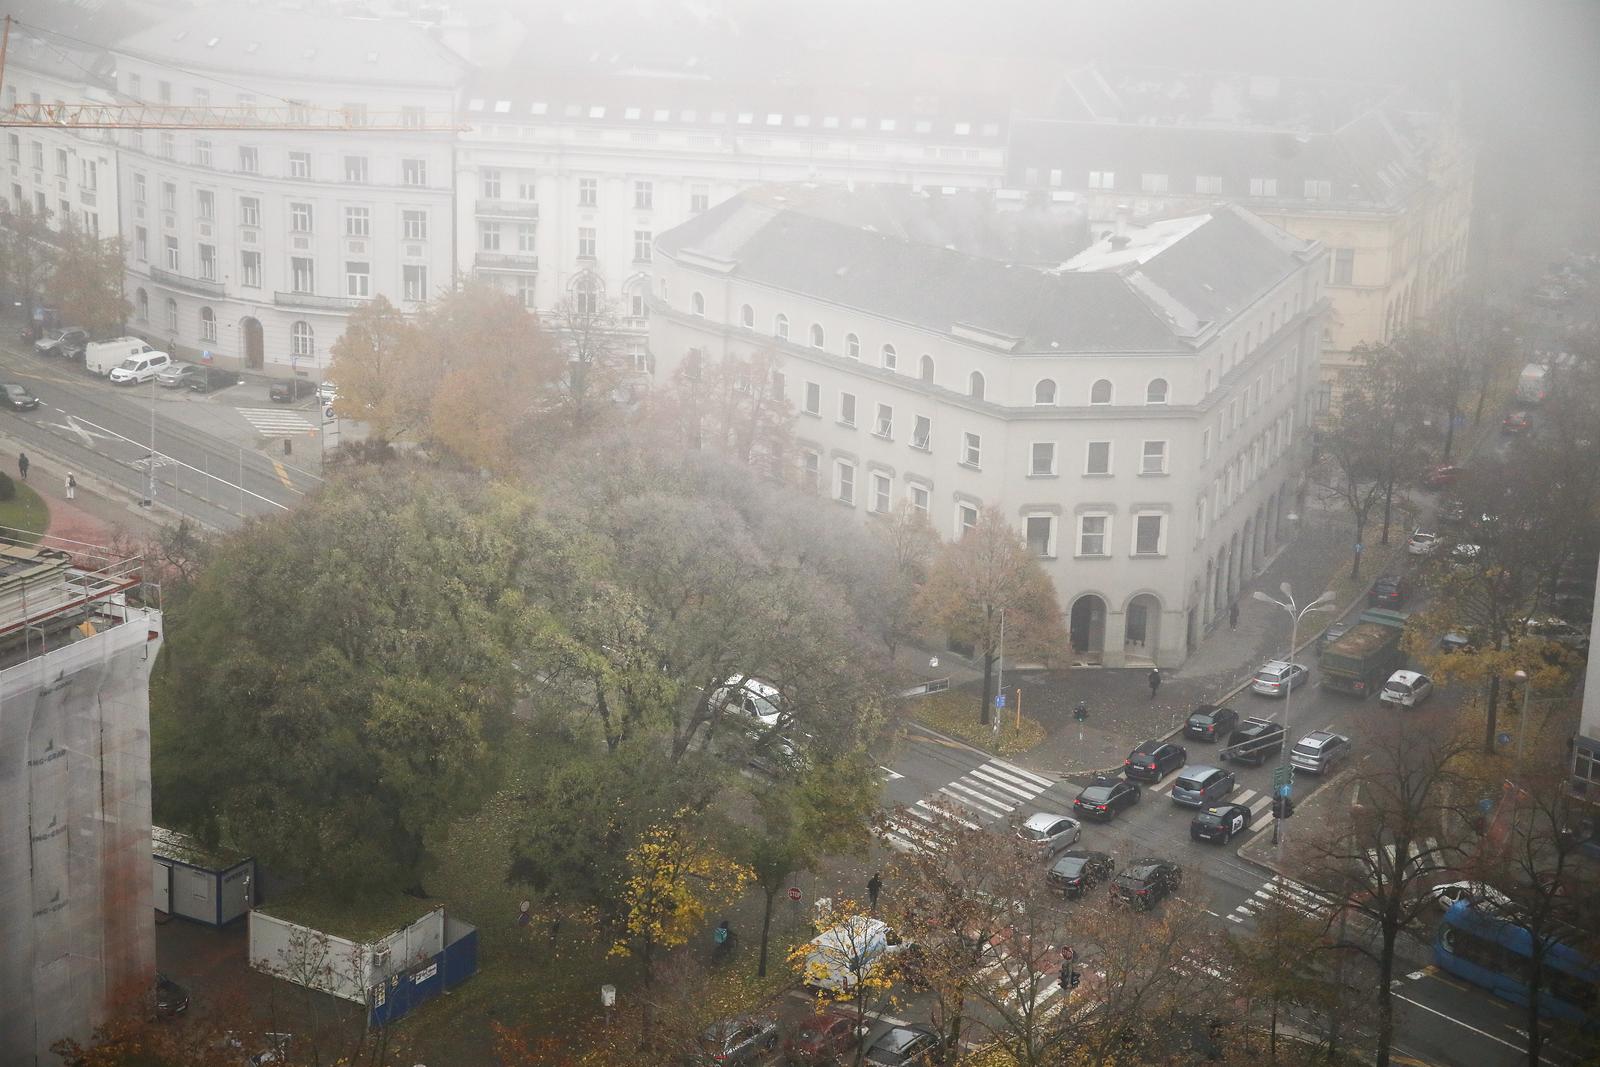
(1475, 893)
(754, 697)
(1048, 833)
(1406, 688)
(327, 393)
(1422, 543)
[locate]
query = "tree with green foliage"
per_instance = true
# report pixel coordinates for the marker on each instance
(27, 256)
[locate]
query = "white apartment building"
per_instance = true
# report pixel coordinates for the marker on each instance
(255, 244)
(1140, 412)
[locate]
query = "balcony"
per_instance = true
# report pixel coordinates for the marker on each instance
(525, 210)
(322, 303)
(179, 281)
(515, 262)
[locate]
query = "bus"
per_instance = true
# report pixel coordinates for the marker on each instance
(1490, 951)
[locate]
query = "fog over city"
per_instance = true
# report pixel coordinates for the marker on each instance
(799, 534)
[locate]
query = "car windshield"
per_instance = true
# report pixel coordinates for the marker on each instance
(1096, 793)
(1307, 750)
(1267, 676)
(1071, 866)
(1202, 718)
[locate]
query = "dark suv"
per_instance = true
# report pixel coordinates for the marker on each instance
(286, 390)
(1387, 592)
(1210, 723)
(1143, 882)
(1078, 871)
(211, 378)
(1104, 797)
(1253, 741)
(1153, 759)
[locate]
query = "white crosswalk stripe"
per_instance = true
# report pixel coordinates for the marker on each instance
(1009, 787)
(1301, 898)
(275, 422)
(1424, 852)
(984, 794)
(984, 801)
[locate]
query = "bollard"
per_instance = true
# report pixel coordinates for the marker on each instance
(288, 447)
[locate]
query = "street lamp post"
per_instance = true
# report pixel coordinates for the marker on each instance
(1000, 673)
(1296, 613)
(1522, 728)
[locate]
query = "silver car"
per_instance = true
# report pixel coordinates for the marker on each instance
(1201, 785)
(1048, 833)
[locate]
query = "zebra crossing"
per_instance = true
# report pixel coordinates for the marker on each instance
(1422, 854)
(984, 794)
(276, 422)
(1022, 986)
(1285, 891)
(1258, 803)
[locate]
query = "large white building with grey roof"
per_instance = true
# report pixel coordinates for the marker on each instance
(1139, 411)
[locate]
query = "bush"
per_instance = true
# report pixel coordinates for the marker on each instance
(8, 488)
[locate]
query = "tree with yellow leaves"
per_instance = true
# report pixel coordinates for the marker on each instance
(853, 959)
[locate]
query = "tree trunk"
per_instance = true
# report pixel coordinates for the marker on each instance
(1385, 999)
(647, 1010)
(1449, 432)
(1388, 509)
(1355, 555)
(1272, 1032)
(1489, 719)
(766, 925)
(1483, 397)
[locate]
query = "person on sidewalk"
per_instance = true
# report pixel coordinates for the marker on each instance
(72, 487)
(874, 887)
(1233, 615)
(22, 465)
(1155, 681)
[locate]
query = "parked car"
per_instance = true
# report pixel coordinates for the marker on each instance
(1476, 893)
(178, 375)
(1389, 591)
(839, 957)
(1318, 751)
(1201, 785)
(1254, 741)
(1276, 678)
(211, 379)
(826, 1038)
(138, 369)
(1078, 871)
(1208, 722)
(1559, 630)
(1144, 882)
(288, 390)
(17, 397)
(171, 999)
(1048, 834)
(1220, 823)
(751, 696)
(907, 1045)
(1104, 797)
(1458, 641)
(327, 393)
(1452, 512)
(1406, 689)
(1153, 759)
(1443, 474)
(1516, 422)
(1422, 542)
(68, 341)
(741, 1040)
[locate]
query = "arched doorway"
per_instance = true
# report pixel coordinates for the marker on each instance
(1088, 629)
(1141, 631)
(255, 348)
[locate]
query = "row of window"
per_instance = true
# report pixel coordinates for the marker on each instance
(1161, 184)
(88, 169)
(298, 165)
(302, 272)
(302, 215)
(521, 237)
(87, 221)
(302, 338)
(644, 192)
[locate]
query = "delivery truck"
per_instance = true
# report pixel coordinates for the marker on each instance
(1361, 659)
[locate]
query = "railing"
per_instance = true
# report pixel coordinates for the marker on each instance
(312, 300)
(181, 281)
(509, 209)
(524, 261)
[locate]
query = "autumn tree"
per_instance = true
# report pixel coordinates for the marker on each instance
(86, 282)
(379, 371)
(909, 544)
(736, 407)
(986, 579)
(848, 963)
(1287, 962)
(27, 255)
(592, 348)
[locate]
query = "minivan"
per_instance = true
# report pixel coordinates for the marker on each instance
(141, 368)
(1201, 785)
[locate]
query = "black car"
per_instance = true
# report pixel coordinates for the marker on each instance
(741, 1040)
(211, 378)
(1153, 759)
(1387, 592)
(287, 390)
(69, 342)
(170, 998)
(17, 398)
(908, 1045)
(1254, 741)
(1210, 723)
(1078, 871)
(1220, 823)
(1104, 797)
(1143, 882)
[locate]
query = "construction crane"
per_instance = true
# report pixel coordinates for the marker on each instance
(300, 118)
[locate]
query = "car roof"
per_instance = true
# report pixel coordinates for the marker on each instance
(1224, 809)
(1044, 820)
(1149, 746)
(900, 1036)
(1407, 677)
(1197, 770)
(1318, 737)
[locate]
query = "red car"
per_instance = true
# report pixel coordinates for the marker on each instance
(1442, 475)
(1516, 422)
(826, 1038)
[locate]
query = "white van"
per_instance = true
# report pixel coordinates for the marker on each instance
(1531, 383)
(841, 956)
(100, 357)
(140, 368)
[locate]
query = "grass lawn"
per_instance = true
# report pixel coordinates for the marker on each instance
(955, 712)
(26, 512)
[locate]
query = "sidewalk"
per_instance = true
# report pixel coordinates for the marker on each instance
(95, 517)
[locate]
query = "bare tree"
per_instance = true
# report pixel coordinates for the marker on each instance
(593, 349)
(736, 407)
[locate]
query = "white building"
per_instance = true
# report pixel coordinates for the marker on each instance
(255, 244)
(1139, 412)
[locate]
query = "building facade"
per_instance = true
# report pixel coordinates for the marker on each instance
(1139, 413)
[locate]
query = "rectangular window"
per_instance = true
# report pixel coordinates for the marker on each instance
(1154, 184)
(846, 482)
(171, 242)
(141, 244)
(1205, 445)
(966, 519)
(527, 190)
(299, 164)
(638, 305)
(1342, 267)
(302, 275)
(586, 242)
(813, 399)
(644, 195)
(1263, 187)
(37, 151)
(14, 147)
(62, 163)
(588, 192)
(1102, 179)
(357, 222)
(847, 409)
(414, 172)
(1092, 531)
(1149, 535)
(249, 211)
(415, 283)
(1154, 460)
(699, 199)
(972, 450)
(138, 188)
(1043, 459)
(641, 246)
(1318, 190)
(169, 196)
(205, 203)
(880, 494)
(526, 293)
(527, 235)
(414, 225)
(208, 262)
(489, 181)
(413, 117)
(355, 169)
(300, 218)
(357, 279)
(164, 92)
(883, 425)
(250, 270)
(89, 174)
(919, 499)
(811, 469)
(921, 432)
(249, 160)
(1208, 185)
(489, 236)
(202, 153)
(1098, 459)
(208, 326)
(1042, 535)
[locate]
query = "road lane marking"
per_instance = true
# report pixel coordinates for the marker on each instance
(1024, 794)
(283, 475)
(890, 773)
(1469, 1026)
(1044, 783)
(972, 804)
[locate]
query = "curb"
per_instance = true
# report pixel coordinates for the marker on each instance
(1271, 864)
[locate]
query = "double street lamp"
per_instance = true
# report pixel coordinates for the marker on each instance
(1296, 613)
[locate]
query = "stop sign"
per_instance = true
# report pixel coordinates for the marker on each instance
(794, 892)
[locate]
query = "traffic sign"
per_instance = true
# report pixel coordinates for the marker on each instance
(794, 892)
(1504, 739)
(1282, 776)
(999, 700)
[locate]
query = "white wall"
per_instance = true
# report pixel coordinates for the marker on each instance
(338, 965)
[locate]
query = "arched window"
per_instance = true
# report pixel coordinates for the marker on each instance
(1045, 391)
(302, 341)
(975, 386)
(817, 340)
(208, 324)
(780, 327)
(697, 304)
(925, 368)
(1100, 392)
(747, 317)
(1156, 391)
(852, 346)
(889, 357)
(172, 314)
(141, 305)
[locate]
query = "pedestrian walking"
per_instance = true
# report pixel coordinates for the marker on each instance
(1081, 711)
(874, 887)
(22, 465)
(1155, 681)
(72, 487)
(1233, 615)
